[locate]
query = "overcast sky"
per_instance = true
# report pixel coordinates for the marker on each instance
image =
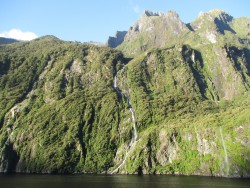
(96, 20)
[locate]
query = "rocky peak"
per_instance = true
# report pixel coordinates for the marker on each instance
(169, 14)
(153, 30)
(149, 13)
(173, 14)
(213, 15)
(219, 18)
(217, 13)
(157, 30)
(113, 42)
(151, 22)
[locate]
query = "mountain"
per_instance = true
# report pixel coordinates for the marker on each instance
(172, 98)
(152, 30)
(157, 30)
(7, 40)
(113, 42)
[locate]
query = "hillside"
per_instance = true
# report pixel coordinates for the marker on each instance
(172, 98)
(7, 40)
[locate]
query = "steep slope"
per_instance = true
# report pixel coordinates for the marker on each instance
(160, 79)
(216, 27)
(60, 112)
(113, 42)
(242, 27)
(210, 25)
(220, 53)
(179, 106)
(153, 30)
(180, 131)
(158, 30)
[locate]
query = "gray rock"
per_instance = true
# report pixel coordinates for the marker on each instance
(113, 42)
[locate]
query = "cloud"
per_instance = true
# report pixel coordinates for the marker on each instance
(18, 34)
(136, 9)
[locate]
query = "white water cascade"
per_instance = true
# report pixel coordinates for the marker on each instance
(225, 152)
(134, 126)
(135, 137)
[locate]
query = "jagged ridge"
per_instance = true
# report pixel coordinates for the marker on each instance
(166, 29)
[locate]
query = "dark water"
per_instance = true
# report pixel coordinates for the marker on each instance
(117, 181)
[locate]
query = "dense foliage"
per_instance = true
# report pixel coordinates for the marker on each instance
(60, 111)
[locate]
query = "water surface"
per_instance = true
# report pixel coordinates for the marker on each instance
(118, 181)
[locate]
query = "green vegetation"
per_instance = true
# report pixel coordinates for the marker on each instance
(60, 112)
(7, 40)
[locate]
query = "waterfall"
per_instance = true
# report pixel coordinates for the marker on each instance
(225, 152)
(135, 137)
(134, 126)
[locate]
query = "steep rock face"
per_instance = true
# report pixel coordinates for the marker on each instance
(157, 30)
(225, 70)
(217, 19)
(212, 24)
(167, 88)
(172, 150)
(220, 48)
(152, 30)
(113, 42)
(158, 80)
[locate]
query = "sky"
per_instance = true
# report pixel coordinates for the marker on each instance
(96, 20)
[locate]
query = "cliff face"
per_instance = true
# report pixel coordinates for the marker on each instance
(153, 30)
(113, 42)
(194, 128)
(59, 108)
(179, 106)
(172, 150)
(157, 30)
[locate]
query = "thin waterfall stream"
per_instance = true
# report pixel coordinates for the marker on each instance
(225, 152)
(135, 137)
